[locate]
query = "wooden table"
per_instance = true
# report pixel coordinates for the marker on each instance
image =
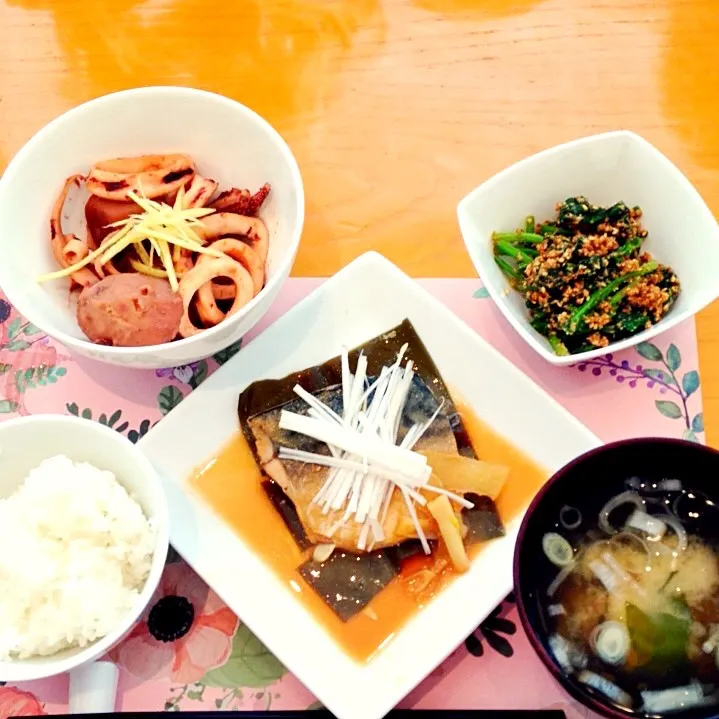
(394, 108)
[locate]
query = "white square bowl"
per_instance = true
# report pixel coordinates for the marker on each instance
(366, 298)
(605, 168)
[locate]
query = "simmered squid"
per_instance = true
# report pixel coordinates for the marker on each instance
(154, 217)
(201, 276)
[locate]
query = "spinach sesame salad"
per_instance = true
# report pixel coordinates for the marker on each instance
(584, 277)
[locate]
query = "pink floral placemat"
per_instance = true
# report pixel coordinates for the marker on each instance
(217, 663)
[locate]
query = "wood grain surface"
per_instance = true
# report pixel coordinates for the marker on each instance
(394, 108)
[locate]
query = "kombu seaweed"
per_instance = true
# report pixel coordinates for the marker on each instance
(286, 509)
(482, 521)
(407, 550)
(347, 582)
(266, 395)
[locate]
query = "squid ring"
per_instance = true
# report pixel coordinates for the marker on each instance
(153, 175)
(84, 277)
(108, 268)
(90, 240)
(199, 191)
(104, 270)
(223, 291)
(59, 241)
(222, 224)
(203, 274)
(74, 251)
(244, 254)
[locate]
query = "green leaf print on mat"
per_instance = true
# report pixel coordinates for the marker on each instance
(112, 421)
(168, 398)
(41, 376)
(134, 434)
(667, 378)
(32, 365)
(649, 351)
(193, 692)
(690, 382)
(228, 353)
(15, 330)
(674, 359)
(199, 374)
(698, 422)
(668, 408)
(250, 664)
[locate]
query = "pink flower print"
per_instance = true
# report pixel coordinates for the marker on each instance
(16, 703)
(185, 631)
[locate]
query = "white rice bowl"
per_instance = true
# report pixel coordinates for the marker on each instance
(81, 552)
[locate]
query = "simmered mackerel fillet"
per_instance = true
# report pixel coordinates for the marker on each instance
(260, 406)
(302, 481)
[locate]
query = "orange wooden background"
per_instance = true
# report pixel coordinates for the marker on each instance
(394, 108)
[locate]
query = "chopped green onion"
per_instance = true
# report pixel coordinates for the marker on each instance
(610, 642)
(558, 550)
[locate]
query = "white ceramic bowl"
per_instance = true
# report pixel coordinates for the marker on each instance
(229, 143)
(605, 168)
(26, 442)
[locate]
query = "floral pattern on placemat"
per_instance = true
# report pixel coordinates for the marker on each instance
(664, 374)
(495, 632)
(188, 636)
(28, 361)
(189, 651)
(185, 632)
(17, 703)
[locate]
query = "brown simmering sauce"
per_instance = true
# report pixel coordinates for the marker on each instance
(231, 483)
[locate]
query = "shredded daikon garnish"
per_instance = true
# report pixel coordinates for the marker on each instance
(366, 463)
(161, 225)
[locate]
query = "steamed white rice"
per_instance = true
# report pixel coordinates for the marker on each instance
(75, 551)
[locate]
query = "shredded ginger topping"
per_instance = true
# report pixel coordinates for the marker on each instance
(367, 465)
(166, 228)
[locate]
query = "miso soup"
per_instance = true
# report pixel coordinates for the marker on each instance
(631, 602)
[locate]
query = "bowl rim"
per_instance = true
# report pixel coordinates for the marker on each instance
(20, 670)
(562, 678)
(283, 268)
(521, 327)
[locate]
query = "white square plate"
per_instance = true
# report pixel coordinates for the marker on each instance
(366, 298)
(605, 168)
